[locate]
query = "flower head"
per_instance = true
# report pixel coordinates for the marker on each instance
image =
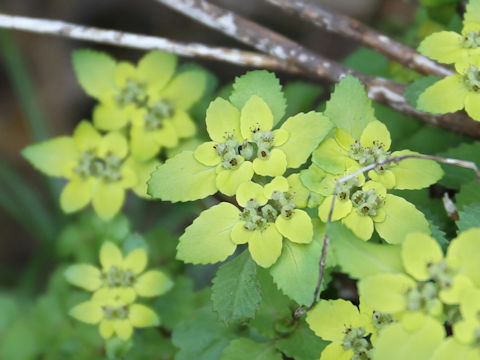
(96, 166)
(455, 92)
(115, 313)
(122, 275)
(450, 47)
(269, 214)
(350, 331)
(147, 96)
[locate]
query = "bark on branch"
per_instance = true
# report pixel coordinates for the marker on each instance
(265, 40)
(143, 42)
(324, 18)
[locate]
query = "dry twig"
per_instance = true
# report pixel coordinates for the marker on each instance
(265, 40)
(144, 42)
(326, 240)
(327, 19)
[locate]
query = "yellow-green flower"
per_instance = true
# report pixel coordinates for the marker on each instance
(96, 166)
(350, 331)
(115, 313)
(148, 96)
(455, 92)
(120, 274)
(269, 214)
(450, 47)
(363, 206)
(466, 332)
(243, 144)
(335, 155)
(432, 280)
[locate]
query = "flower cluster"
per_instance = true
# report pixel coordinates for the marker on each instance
(115, 288)
(435, 289)
(142, 110)
(362, 203)
(461, 90)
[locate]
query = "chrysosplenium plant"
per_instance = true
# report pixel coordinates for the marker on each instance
(271, 187)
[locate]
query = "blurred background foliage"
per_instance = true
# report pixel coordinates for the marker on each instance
(40, 98)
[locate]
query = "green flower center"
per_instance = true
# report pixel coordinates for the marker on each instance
(471, 40)
(258, 217)
(381, 320)
(441, 274)
(366, 202)
(156, 113)
(116, 277)
(422, 297)
(115, 312)
(472, 78)
(233, 153)
(355, 340)
(132, 93)
(107, 168)
(369, 155)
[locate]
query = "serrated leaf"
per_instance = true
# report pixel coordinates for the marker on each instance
(201, 337)
(469, 193)
(236, 289)
(358, 258)
(177, 304)
(274, 309)
(300, 97)
(439, 235)
(243, 348)
(469, 217)
(413, 91)
(263, 84)
(207, 240)
(302, 344)
(456, 176)
(182, 178)
(95, 72)
(359, 112)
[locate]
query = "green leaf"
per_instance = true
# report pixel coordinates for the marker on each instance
(201, 337)
(469, 217)
(300, 97)
(302, 344)
(413, 91)
(236, 289)
(95, 72)
(306, 131)
(263, 84)
(242, 348)
(275, 309)
(207, 240)
(360, 259)
(182, 178)
(456, 176)
(368, 62)
(439, 235)
(177, 304)
(469, 193)
(359, 112)
(296, 271)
